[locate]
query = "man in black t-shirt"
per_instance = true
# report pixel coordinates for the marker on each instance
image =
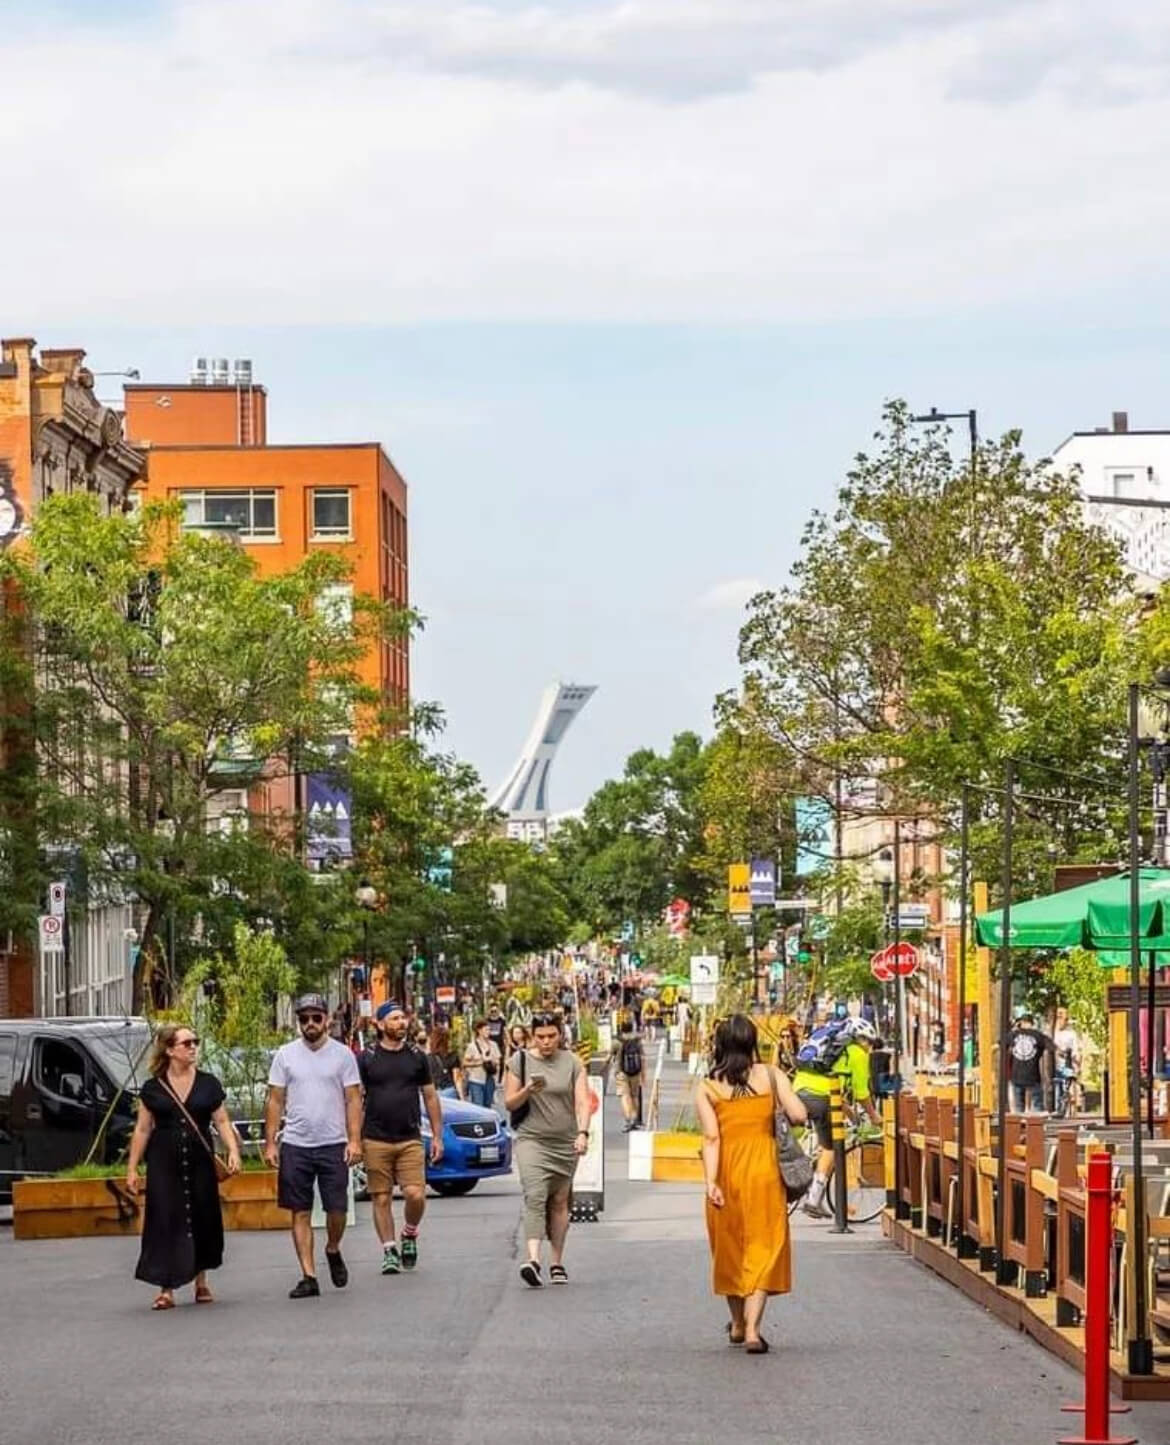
(394, 1074)
(1027, 1049)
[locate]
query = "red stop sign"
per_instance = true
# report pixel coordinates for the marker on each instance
(879, 966)
(897, 961)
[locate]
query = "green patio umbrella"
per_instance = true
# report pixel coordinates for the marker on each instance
(1095, 915)
(674, 980)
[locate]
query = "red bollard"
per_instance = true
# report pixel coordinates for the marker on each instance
(1098, 1302)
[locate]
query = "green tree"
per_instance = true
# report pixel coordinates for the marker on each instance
(155, 673)
(940, 620)
(640, 841)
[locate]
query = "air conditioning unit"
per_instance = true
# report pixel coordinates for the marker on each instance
(199, 371)
(220, 371)
(243, 371)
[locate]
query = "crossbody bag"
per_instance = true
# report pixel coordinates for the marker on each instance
(222, 1172)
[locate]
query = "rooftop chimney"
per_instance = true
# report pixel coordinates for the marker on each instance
(1121, 421)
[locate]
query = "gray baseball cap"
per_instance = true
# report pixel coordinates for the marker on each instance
(311, 1003)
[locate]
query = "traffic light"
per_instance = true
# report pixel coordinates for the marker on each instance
(418, 965)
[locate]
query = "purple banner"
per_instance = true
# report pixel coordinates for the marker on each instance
(327, 811)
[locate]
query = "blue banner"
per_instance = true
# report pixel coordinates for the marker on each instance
(815, 847)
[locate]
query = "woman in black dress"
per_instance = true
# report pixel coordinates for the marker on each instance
(182, 1233)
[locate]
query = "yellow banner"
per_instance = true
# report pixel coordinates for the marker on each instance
(739, 888)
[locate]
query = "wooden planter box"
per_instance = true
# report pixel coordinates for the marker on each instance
(666, 1157)
(81, 1208)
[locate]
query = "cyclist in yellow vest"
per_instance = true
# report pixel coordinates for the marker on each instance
(814, 1088)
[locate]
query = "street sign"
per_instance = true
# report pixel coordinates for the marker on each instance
(704, 969)
(57, 900)
(52, 931)
(797, 903)
(912, 916)
(739, 888)
(703, 993)
(762, 882)
(879, 966)
(445, 994)
(897, 961)
(818, 928)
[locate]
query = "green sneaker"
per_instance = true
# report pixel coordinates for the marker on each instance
(409, 1251)
(391, 1263)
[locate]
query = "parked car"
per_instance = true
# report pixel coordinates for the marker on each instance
(477, 1145)
(60, 1081)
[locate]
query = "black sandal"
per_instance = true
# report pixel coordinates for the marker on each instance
(558, 1274)
(731, 1339)
(530, 1274)
(756, 1347)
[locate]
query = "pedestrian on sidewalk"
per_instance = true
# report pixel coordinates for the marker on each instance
(445, 1067)
(394, 1074)
(481, 1065)
(1027, 1048)
(182, 1229)
(629, 1069)
(552, 1136)
(746, 1206)
(315, 1086)
(518, 1038)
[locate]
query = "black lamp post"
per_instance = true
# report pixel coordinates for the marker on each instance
(366, 897)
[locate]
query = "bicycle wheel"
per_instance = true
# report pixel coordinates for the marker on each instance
(865, 1196)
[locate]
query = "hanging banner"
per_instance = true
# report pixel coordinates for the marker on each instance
(739, 888)
(816, 844)
(329, 835)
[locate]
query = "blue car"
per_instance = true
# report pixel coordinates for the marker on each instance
(477, 1145)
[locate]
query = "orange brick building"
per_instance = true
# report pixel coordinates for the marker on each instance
(207, 445)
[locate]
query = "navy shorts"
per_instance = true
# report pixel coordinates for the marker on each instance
(299, 1168)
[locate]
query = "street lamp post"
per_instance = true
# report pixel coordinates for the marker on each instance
(366, 897)
(1004, 1269)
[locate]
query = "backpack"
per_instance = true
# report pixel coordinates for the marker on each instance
(631, 1057)
(823, 1047)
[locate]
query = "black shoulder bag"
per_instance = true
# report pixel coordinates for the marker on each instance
(516, 1117)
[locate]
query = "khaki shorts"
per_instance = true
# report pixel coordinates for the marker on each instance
(626, 1087)
(389, 1164)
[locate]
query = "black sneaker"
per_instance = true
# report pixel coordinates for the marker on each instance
(391, 1263)
(530, 1274)
(305, 1288)
(409, 1251)
(337, 1270)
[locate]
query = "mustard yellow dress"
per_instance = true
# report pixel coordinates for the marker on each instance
(749, 1235)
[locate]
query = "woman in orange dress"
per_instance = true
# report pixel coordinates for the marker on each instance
(747, 1210)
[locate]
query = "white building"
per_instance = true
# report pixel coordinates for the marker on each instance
(1118, 470)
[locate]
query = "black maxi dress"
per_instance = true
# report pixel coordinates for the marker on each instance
(182, 1231)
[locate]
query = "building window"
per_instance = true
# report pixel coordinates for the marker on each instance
(1125, 484)
(335, 605)
(331, 513)
(246, 513)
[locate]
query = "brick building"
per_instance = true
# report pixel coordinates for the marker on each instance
(55, 436)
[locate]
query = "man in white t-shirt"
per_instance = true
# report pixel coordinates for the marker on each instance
(314, 1084)
(1067, 1067)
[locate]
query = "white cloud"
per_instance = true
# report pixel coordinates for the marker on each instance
(311, 161)
(730, 596)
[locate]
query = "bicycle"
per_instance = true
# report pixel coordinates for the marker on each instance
(1067, 1096)
(865, 1196)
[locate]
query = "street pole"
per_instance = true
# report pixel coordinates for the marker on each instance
(1141, 1347)
(1004, 1270)
(901, 1209)
(965, 1246)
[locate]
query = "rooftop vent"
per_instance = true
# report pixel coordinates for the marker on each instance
(199, 371)
(220, 371)
(242, 371)
(1121, 421)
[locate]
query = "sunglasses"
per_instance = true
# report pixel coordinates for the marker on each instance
(545, 1021)
(191, 1043)
(310, 1018)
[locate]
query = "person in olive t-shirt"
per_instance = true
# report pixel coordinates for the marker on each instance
(394, 1074)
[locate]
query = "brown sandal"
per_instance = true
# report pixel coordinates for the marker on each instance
(756, 1347)
(163, 1302)
(732, 1339)
(203, 1296)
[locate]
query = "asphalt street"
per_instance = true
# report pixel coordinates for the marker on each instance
(869, 1347)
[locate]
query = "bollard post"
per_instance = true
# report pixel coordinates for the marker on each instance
(1098, 1267)
(841, 1193)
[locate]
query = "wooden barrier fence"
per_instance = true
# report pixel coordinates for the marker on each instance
(1042, 1274)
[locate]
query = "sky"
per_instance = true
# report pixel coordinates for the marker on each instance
(621, 285)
